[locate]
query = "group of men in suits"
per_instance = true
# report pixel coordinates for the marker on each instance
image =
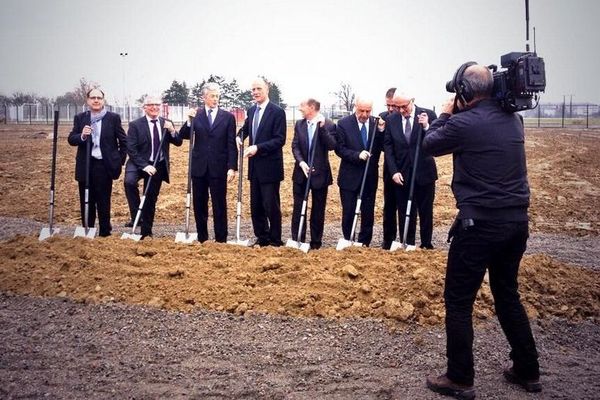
(358, 139)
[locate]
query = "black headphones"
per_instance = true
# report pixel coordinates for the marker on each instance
(463, 88)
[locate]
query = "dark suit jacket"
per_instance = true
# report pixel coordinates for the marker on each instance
(214, 147)
(400, 155)
(349, 146)
(112, 144)
(139, 144)
(325, 136)
(267, 164)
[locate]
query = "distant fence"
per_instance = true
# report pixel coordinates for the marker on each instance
(576, 116)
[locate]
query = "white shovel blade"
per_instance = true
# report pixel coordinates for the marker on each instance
(395, 246)
(45, 233)
(410, 247)
(244, 243)
(305, 247)
(131, 236)
(80, 232)
(181, 237)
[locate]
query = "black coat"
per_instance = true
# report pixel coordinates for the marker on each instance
(400, 155)
(267, 164)
(112, 144)
(214, 147)
(325, 136)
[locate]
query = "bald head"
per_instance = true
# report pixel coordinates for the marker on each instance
(363, 109)
(481, 80)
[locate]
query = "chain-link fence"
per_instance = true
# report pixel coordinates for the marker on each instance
(562, 115)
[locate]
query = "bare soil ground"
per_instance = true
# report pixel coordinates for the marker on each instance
(157, 319)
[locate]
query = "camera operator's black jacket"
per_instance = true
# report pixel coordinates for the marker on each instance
(490, 173)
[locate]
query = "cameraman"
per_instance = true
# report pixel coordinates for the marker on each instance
(490, 231)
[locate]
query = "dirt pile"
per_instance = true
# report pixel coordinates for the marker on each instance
(357, 282)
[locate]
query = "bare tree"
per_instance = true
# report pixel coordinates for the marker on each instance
(346, 96)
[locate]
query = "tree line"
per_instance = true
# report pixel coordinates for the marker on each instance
(178, 93)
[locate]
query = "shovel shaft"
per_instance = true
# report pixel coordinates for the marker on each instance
(187, 212)
(51, 209)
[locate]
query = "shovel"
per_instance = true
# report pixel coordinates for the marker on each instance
(45, 233)
(187, 237)
(238, 212)
(311, 160)
(85, 231)
(343, 243)
(403, 245)
(138, 215)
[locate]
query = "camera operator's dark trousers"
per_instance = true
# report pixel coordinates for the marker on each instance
(133, 197)
(99, 197)
(498, 246)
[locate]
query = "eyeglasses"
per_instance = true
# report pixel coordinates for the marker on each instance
(403, 106)
(96, 98)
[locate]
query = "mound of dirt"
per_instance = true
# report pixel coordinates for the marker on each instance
(357, 282)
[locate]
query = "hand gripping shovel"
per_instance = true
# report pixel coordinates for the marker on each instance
(187, 237)
(45, 233)
(297, 244)
(133, 235)
(85, 231)
(395, 244)
(238, 212)
(343, 243)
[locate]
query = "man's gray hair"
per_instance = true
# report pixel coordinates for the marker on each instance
(481, 80)
(210, 87)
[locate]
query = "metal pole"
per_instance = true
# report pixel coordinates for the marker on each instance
(587, 116)
(123, 55)
(570, 106)
(539, 114)
(563, 112)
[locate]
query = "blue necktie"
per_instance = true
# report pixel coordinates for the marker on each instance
(363, 134)
(311, 134)
(255, 123)
(210, 120)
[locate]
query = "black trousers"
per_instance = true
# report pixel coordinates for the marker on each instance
(99, 197)
(265, 207)
(132, 179)
(391, 212)
(218, 195)
(317, 214)
(497, 246)
(422, 205)
(367, 214)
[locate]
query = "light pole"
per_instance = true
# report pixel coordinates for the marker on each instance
(123, 55)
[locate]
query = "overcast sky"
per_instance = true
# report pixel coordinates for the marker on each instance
(307, 47)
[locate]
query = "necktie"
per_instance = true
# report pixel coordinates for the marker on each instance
(311, 134)
(407, 129)
(210, 120)
(363, 135)
(255, 122)
(155, 140)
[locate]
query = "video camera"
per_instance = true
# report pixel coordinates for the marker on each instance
(517, 86)
(520, 83)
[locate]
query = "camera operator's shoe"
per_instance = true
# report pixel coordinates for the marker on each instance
(443, 385)
(530, 385)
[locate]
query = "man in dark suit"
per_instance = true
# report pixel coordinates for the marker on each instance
(402, 131)
(312, 128)
(214, 161)
(266, 126)
(354, 135)
(108, 152)
(390, 208)
(143, 138)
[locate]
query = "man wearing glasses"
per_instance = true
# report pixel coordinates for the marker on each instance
(107, 157)
(400, 144)
(143, 147)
